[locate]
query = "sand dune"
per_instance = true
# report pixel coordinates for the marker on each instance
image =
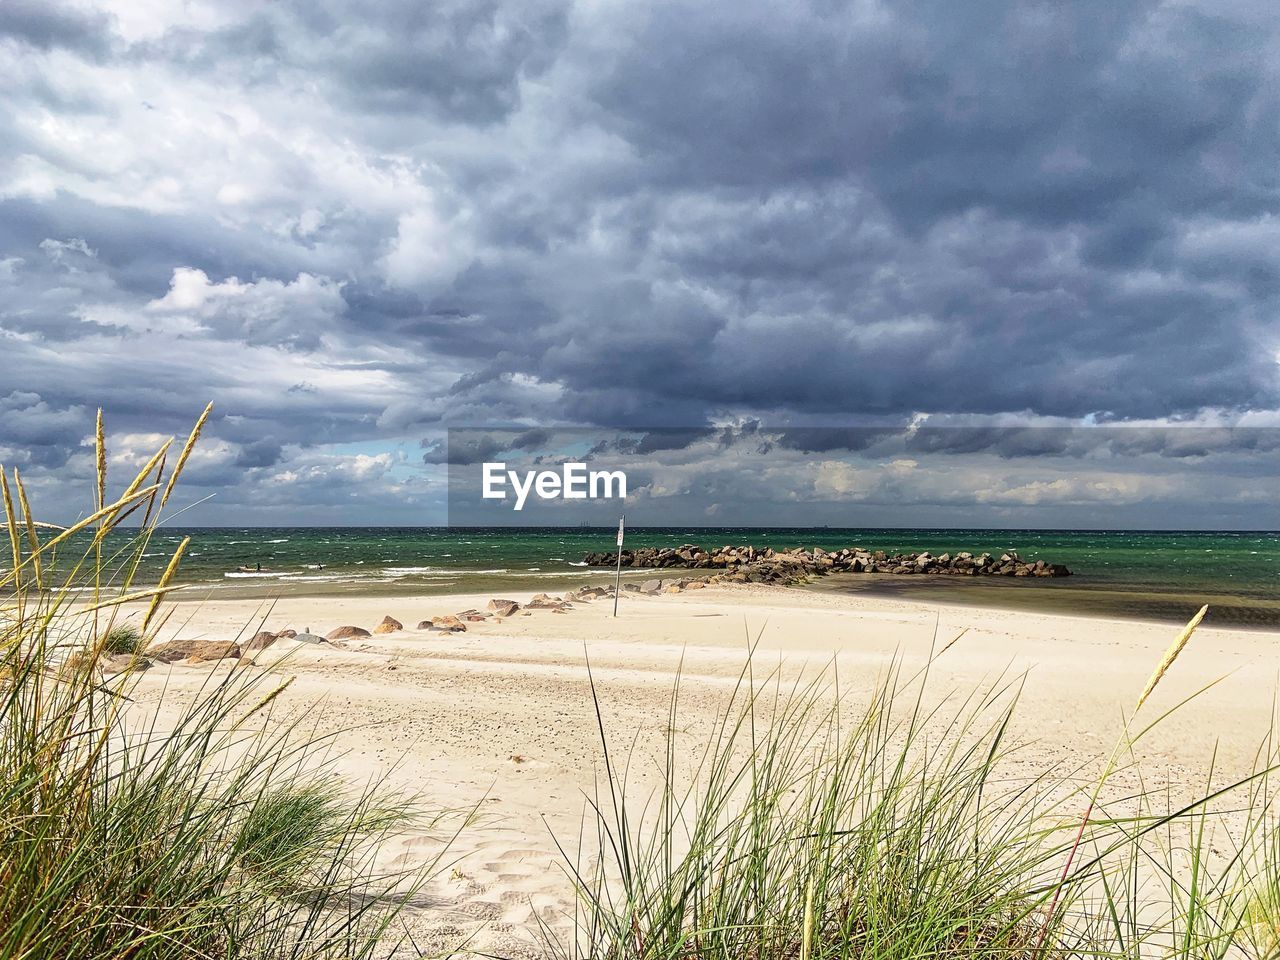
(499, 720)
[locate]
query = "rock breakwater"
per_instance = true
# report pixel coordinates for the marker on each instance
(746, 564)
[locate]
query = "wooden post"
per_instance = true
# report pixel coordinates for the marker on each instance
(617, 579)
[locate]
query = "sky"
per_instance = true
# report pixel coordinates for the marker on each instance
(355, 227)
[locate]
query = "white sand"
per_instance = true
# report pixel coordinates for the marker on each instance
(500, 718)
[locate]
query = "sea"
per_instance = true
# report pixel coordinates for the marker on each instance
(1152, 575)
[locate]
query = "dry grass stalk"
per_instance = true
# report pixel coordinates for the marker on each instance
(186, 452)
(1171, 655)
(100, 447)
(169, 572)
(32, 538)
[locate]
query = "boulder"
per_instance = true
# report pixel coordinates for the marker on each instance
(123, 663)
(346, 633)
(797, 565)
(388, 625)
(262, 640)
(503, 608)
(194, 651)
(448, 624)
(306, 636)
(76, 662)
(286, 634)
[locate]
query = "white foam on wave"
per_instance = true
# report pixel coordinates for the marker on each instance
(434, 575)
(239, 574)
(555, 573)
(313, 578)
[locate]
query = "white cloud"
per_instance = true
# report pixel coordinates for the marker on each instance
(428, 250)
(263, 311)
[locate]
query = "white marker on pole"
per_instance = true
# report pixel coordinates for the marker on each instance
(617, 580)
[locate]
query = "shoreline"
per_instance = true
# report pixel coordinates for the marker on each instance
(869, 591)
(1074, 596)
(1125, 574)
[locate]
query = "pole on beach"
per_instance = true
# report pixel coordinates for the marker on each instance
(617, 578)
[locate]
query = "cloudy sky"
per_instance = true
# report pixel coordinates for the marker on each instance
(355, 225)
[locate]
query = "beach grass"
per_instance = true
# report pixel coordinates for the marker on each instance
(813, 827)
(215, 830)
(123, 638)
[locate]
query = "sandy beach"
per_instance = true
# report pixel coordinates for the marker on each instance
(500, 719)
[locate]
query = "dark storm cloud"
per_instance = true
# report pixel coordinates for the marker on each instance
(1005, 442)
(141, 248)
(45, 26)
(461, 60)
(653, 441)
(935, 173)
(348, 223)
(259, 453)
(828, 439)
(466, 447)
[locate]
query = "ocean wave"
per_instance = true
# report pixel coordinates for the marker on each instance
(438, 575)
(264, 574)
(403, 571)
(578, 563)
(555, 573)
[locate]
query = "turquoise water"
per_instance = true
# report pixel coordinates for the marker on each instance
(1160, 575)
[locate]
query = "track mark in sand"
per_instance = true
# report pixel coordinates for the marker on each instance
(479, 909)
(417, 841)
(499, 891)
(526, 854)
